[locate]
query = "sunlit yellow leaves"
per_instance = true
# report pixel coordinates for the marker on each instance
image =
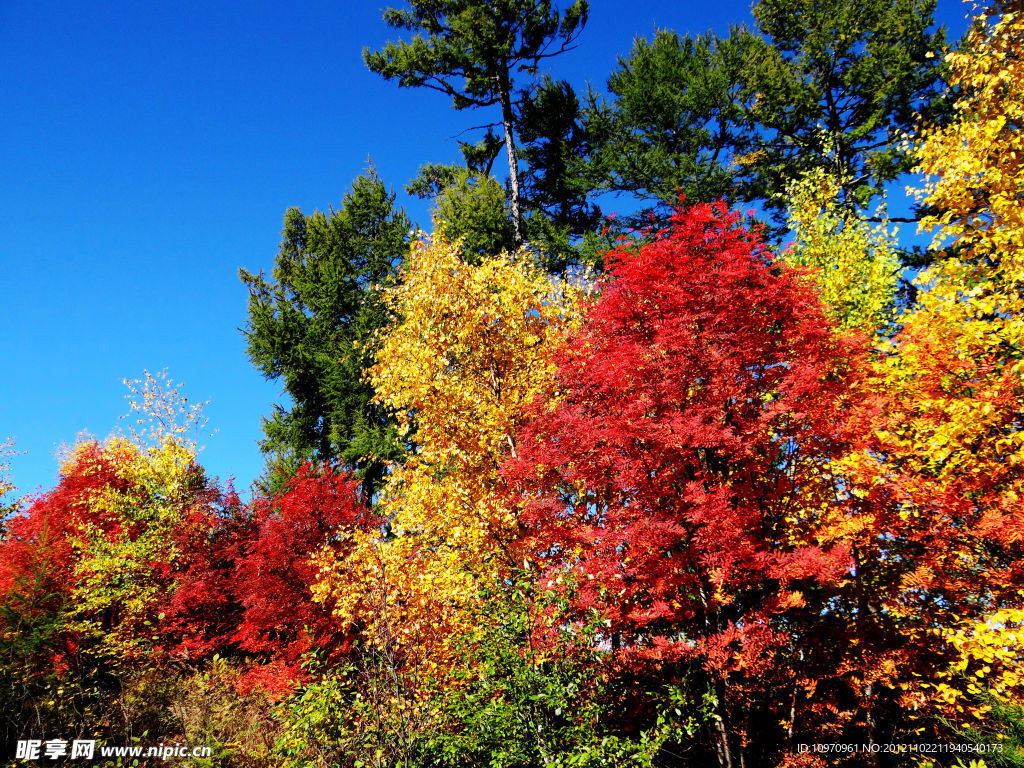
(960, 355)
(160, 413)
(976, 175)
(855, 265)
(472, 352)
(990, 655)
(976, 189)
(946, 460)
(6, 485)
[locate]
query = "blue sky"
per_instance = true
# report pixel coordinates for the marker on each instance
(147, 151)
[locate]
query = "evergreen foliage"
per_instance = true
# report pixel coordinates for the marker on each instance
(675, 120)
(472, 208)
(555, 143)
(312, 326)
(837, 86)
(473, 51)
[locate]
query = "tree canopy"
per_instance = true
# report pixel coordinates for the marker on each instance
(837, 86)
(473, 52)
(312, 326)
(707, 501)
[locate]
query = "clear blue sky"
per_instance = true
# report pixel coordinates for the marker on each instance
(149, 150)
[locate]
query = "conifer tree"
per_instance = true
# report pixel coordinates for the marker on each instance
(473, 50)
(835, 86)
(831, 86)
(311, 325)
(674, 120)
(555, 142)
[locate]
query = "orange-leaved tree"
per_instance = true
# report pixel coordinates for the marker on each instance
(941, 474)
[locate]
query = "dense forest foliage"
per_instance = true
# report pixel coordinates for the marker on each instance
(731, 480)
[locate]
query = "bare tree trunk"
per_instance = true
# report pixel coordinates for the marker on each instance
(513, 161)
(864, 610)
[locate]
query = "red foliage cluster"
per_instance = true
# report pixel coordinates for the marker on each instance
(239, 582)
(248, 580)
(37, 558)
(671, 482)
(37, 552)
(694, 406)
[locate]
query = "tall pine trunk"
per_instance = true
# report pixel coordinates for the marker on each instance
(505, 89)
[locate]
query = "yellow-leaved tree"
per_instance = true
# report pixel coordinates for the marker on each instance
(472, 352)
(127, 527)
(943, 472)
(6, 486)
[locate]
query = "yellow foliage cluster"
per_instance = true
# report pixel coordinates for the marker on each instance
(856, 266)
(951, 443)
(6, 486)
(991, 653)
(472, 352)
(975, 163)
(966, 339)
(975, 184)
(127, 522)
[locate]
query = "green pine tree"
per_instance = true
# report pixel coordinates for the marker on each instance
(835, 86)
(472, 51)
(555, 144)
(675, 119)
(313, 325)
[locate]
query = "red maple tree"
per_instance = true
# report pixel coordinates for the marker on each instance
(676, 479)
(247, 587)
